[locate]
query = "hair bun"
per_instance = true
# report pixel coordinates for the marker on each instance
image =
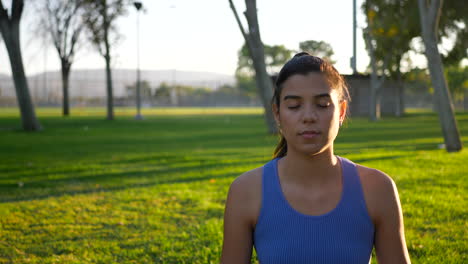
(300, 54)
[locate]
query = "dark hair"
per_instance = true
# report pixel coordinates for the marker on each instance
(303, 63)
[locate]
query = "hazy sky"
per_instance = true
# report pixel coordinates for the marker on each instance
(203, 35)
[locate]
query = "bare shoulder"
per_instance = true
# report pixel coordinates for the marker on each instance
(374, 178)
(245, 193)
(380, 192)
(246, 181)
(240, 216)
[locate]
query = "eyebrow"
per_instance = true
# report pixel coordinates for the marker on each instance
(296, 97)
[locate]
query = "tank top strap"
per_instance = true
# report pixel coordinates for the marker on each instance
(271, 190)
(354, 194)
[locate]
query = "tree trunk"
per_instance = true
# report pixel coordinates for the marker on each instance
(373, 112)
(444, 101)
(66, 66)
(254, 44)
(11, 37)
(376, 83)
(400, 96)
(264, 82)
(465, 101)
(110, 99)
(107, 57)
(429, 19)
(375, 99)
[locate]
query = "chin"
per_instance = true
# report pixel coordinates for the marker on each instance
(311, 149)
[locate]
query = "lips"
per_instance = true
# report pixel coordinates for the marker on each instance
(309, 133)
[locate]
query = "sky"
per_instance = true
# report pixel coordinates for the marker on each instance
(203, 35)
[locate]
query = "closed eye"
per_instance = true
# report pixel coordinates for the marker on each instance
(293, 107)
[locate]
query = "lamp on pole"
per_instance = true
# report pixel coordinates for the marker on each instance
(138, 116)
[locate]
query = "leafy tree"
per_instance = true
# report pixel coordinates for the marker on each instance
(10, 31)
(376, 82)
(391, 25)
(227, 89)
(257, 54)
(100, 17)
(275, 57)
(430, 16)
(457, 78)
(145, 89)
(392, 34)
(246, 84)
(63, 20)
(453, 24)
(318, 48)
(164, 90)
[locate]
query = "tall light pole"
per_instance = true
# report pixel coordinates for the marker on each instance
(353, 59)
(138, 116)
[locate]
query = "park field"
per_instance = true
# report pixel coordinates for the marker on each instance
(87, 190)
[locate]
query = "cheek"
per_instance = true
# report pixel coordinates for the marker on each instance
(285, 114)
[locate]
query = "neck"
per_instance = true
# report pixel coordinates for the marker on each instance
(312, 170)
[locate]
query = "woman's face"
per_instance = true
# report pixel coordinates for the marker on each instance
(309, 113)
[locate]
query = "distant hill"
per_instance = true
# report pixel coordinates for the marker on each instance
(92, 83)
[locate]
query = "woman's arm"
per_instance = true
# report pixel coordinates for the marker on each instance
(384, 208)
(390, 241)
(242, 205)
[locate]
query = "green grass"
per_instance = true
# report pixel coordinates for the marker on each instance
(87, 190)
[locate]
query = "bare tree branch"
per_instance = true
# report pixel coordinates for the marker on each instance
(239, 23)
(17, 10)
(3, 11)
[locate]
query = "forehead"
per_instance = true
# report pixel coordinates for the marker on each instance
(309, 85)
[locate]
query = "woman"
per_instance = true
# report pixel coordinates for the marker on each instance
(308, 205)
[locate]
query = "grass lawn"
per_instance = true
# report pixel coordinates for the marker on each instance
(87, 190)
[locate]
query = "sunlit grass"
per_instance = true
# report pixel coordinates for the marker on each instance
(87, 190)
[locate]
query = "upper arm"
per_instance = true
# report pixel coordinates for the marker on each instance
(385, 210)
(242, 206)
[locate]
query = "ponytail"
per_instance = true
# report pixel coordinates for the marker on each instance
(281, 149)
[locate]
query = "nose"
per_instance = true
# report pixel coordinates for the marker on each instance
(309, 115)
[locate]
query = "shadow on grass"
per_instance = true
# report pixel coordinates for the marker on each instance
(33, 195)
(105, 182)
(181, 171)
(125, 154)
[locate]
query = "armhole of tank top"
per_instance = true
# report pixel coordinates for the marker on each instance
(362, 200)
(262, 199)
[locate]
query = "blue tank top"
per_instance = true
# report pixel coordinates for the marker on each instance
(284, 235)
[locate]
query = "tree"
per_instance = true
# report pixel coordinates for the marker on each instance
(318, 48)
(429, 16)
(10, 31)
(457, 80)
(246, 84)
(145, 87)
(376, 82)
(391, 25)
(453, 24)
(63, 21)
(275, 57)
(164, 90)
(100, 17)
(256, 51)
